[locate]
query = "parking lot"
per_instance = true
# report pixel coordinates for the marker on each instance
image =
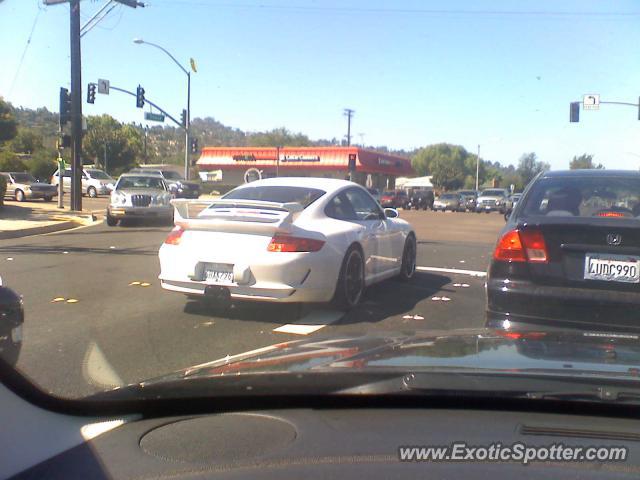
(97, 317)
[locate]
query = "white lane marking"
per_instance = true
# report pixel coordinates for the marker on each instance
(312, 322)
(472, 273)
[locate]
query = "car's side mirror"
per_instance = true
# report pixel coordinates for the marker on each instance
(391, 213)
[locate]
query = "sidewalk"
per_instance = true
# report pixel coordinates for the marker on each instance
(34, 218)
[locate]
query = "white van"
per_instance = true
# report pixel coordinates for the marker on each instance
(94, 182)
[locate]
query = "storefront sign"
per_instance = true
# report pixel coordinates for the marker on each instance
(300, 158)
(244, 158)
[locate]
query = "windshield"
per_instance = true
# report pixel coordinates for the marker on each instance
(492, 193)
(98, 175)
(23, 177)
(301, 185)
(170, 175)
(140, 182)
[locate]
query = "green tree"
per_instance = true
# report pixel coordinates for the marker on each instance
(43, 163)
(122, 143)
(26, 141)
(10, 162)
(8, 124)
(529, 166)
(278, 137)
(583, 161)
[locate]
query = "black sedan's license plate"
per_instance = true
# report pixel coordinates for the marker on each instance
(612, 268)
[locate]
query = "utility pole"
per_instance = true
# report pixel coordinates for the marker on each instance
(146, 131)
(349, 113)
(186, 130)
(76, 107)
(477, 168)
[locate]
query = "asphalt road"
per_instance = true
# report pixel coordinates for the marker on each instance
(97, 317)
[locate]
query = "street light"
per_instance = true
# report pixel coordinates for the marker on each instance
(140, 41)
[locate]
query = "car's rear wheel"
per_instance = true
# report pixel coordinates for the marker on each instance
(48, 198)
(350, 286)
(20, 196)
(92, 192)
(408, 267)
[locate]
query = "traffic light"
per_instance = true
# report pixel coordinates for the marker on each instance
(194, 145)
(65, 106)
(574, 112)
(140, 97)
(352, 162)
(64, 141)
(183, 118)
(91, 93)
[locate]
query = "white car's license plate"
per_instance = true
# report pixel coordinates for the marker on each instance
(612, 268)
(218, 276)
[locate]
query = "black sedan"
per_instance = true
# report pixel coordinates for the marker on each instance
(569, 255)
(11, 320)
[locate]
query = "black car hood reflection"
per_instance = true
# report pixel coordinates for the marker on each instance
(483, 349)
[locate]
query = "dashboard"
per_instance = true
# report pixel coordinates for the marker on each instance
(284, 443)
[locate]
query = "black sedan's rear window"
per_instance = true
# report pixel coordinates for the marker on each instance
(605, 196)
(280, 194)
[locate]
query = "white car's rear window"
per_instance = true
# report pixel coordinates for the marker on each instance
(305, 196)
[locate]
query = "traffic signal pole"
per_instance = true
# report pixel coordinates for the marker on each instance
(76, 107)
(187, 145)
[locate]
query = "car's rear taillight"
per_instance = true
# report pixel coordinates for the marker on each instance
(174, 236)
(288, 243)
(522, 246)
(611, 214)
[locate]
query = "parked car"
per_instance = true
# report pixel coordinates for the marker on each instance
(11, 322)
(287, 240)
(512, 201)
(23, 186)
(94, 181)
(180, 187)
(394, 199)
(492, 200)
(469, 199)
(140, 195)
(375, 193)
(569, 255)
(421, 199)
(449, 201)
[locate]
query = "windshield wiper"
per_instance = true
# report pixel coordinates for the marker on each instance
(605, 394)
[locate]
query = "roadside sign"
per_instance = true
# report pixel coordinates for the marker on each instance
(103, 86)
(154, 117)
(591, 102)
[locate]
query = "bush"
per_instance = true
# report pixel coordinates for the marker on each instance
(3, 189)
(9, 162)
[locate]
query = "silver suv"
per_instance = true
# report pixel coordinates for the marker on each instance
(140, 195)
(491, 200)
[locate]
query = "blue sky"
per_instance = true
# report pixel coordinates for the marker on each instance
(500, 74)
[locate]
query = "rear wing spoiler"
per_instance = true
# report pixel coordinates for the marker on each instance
(229, 215)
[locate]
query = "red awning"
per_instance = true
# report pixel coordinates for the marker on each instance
(303, 158)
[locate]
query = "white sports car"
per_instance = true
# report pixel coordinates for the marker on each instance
(286, 240)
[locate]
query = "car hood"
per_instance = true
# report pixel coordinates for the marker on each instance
(477, 349)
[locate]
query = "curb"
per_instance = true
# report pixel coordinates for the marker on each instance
(57, 227)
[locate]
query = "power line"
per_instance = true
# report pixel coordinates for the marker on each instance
(450, 12)
(24, 52)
